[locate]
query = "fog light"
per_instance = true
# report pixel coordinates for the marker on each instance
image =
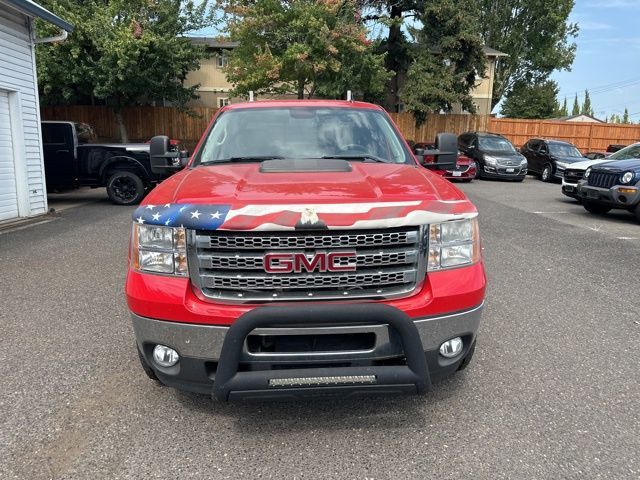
(167, 357)
(451, 348)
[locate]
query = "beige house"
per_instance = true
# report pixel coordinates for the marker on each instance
(214, 88)
(483, 90)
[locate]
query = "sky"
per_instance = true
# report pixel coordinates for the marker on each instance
(607, 60)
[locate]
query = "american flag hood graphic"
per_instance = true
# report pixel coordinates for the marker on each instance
(342, 216)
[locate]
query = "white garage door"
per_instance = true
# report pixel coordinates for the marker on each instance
(8, 194)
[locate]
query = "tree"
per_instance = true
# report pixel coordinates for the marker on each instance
(122, 52)
(304, 46)
(531, 101)
(448, 59)
(576, 106)
(625, 116)
(564, 110)
(536, 35)
(615, 118)
(586, 106)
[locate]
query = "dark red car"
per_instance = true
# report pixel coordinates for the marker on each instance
(465, 170)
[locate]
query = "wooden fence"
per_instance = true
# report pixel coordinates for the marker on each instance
(586, 136)
(144, 122)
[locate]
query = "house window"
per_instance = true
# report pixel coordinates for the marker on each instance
(223, 102)
(222, 60)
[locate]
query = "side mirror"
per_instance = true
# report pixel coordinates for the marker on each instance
(445, 153)
(164, 161)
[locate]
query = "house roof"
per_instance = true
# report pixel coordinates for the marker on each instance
(571, 117)
(492, 52)
(213, 42)
(35, 10)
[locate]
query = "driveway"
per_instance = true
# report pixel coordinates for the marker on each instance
(553, 391)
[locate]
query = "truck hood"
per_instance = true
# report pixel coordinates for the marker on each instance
(243, 197)
(587, 163)
(628, 165)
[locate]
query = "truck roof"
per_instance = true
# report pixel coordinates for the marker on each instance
(302, 103)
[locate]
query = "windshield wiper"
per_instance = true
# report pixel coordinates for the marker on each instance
(364, 158)
(248, 158)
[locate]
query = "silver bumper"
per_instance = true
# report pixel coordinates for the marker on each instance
(205, 341)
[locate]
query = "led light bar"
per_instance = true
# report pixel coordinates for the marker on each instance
(319, 381)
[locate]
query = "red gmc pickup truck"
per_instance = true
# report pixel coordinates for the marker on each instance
(303, 251)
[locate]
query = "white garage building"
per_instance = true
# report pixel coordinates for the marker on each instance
(22, 182)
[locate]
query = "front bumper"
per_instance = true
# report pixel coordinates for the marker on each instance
(506, 172)
(402, 356)
(570, 189)
(616, 197)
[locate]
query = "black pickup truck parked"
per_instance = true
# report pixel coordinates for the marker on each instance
(71, 162)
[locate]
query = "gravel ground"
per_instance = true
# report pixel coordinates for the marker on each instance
(553, 390)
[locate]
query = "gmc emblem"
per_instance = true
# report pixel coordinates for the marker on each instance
(317, 262)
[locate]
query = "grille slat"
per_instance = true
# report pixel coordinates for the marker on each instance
(573, 176)
(602, 179)
(229, 266)
(325, 240)
(297, 281)
(219, 260)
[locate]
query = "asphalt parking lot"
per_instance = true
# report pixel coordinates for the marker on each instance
(553, 390)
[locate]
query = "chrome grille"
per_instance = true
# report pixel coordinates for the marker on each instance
(229, 266)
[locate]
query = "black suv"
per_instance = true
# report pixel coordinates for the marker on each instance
(549, 158)
(494, 155)
(614, 184)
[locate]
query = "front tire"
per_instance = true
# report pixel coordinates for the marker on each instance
(125, 188)
(637, 213)
(596, 208)
(547, 173)
(477, 165)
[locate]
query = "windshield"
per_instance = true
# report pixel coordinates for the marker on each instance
(564, 150)
(302, 132)
(496, 144)
(632, 151)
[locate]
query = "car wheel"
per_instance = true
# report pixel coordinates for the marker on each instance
(125, 188)
(595, 208)
(145, 366)
(547, 173)
(477, 169)
(637, 213)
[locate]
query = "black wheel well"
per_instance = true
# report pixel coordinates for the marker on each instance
(125, 165)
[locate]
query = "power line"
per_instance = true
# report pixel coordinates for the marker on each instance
(605, 88)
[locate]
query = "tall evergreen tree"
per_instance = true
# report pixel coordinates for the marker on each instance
(448, 59)
(625, 116)
(586, 106)
(576, 106)
(564, 110)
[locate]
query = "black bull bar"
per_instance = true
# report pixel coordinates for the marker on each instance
(231, 384)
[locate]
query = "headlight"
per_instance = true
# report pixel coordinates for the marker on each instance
(159, 250)
(523, 162)
(627, 177)
(489, 160)
(587, 173)
(453, 244)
